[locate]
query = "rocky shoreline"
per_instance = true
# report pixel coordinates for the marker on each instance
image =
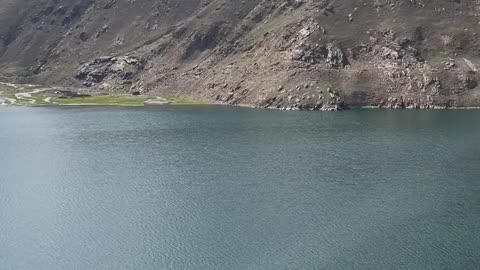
(35, 95)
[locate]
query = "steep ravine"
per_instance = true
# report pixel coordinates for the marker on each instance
(282, 54)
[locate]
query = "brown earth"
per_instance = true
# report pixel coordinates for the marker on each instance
(286, 54)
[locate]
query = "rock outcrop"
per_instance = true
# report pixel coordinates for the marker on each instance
(109, 70)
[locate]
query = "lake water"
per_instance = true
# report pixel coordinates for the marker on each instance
(202, 187)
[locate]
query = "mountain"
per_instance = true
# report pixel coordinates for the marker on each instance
(285, 54)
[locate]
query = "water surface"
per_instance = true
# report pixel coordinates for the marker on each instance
(203, 187)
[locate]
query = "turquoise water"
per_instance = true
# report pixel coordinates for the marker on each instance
(230, 188)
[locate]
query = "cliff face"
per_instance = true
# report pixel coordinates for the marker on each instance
(287, 54)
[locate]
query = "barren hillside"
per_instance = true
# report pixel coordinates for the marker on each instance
(285, 54)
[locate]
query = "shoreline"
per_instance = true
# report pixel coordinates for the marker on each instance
(29, 95)
(194, 103)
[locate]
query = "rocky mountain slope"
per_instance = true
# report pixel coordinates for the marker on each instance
(285, 54)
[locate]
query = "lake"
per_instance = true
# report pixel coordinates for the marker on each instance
(211, 187)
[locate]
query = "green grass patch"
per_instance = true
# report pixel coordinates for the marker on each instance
(102, 100)
(40, 101)
(180, 101)
(3, 95)
(7, 90)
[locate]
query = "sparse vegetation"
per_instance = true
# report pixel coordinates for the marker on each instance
(102, 100)
(174, 101)
(34, 96)
(7, 90)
